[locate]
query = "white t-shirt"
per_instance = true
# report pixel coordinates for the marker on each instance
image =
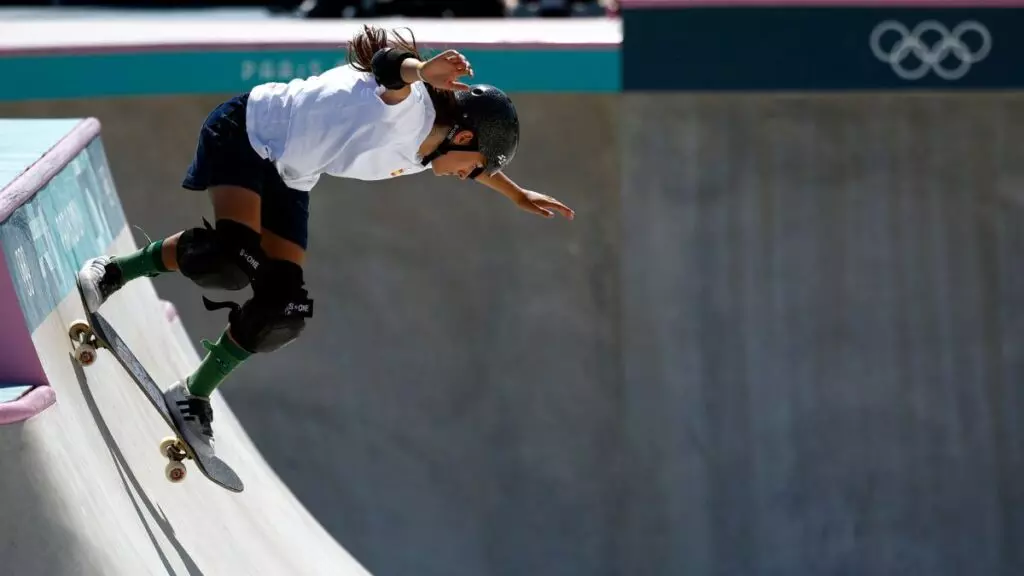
(337, 124)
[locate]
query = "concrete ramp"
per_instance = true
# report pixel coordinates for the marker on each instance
(82, 486)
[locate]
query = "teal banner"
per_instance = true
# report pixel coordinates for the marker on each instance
(215, 72)
(46, 240)
(823, 48)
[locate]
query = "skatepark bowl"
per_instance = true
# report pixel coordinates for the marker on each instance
(782, 337)
(82, 482)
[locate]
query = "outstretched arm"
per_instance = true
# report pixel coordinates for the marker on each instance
(441, 71)
(528, 200)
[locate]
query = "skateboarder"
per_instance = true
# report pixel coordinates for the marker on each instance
(386, 113)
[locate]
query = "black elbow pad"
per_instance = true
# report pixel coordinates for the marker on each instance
(386, 66)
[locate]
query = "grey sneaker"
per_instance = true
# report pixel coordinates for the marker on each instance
(194, 417)
(99, 279)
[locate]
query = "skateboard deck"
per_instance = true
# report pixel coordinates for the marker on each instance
(96, 332)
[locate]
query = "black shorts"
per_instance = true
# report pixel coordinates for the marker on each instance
(225, 157)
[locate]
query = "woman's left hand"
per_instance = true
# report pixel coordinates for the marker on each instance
(545, 206)
(443, 71)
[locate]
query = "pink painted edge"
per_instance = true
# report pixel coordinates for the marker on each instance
(628, 4)
(19, 364)
(31, 403)
(83, 50)
(25, 186)
(16, 340)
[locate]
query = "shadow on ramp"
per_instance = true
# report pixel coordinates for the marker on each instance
(131, 484)
(33, 540)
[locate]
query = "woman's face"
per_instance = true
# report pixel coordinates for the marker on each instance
(460, 163)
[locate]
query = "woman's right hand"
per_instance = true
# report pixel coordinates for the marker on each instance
(443, 71)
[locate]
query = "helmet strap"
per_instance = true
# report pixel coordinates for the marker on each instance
(447, 146)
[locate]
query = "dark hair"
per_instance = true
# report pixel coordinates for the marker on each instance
(371, 39)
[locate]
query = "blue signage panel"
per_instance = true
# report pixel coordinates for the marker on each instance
(823, 48)
(46, 240)
(588, 69)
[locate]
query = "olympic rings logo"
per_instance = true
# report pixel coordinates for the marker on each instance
(931, 57)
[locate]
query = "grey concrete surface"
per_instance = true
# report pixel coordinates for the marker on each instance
(29, 516)
(822, 316)
(783, 336)
(453, 408)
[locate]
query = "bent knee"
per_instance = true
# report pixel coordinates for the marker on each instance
(260, 326)
(276, 314)
(210, 257)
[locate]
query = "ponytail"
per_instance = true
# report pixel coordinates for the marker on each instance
(371, 39)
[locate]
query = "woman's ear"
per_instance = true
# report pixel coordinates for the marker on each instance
(463, 137)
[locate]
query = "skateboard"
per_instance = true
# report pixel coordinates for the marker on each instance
(95, 333)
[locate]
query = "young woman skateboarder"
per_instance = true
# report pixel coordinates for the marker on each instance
(387, 113)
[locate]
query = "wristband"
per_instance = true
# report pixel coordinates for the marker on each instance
(386, 66)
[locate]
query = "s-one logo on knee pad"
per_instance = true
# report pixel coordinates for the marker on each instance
(295, 308)
(249, 259)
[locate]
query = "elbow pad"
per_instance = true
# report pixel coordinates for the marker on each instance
(386, 66)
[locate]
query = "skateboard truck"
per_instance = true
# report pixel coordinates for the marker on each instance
(174, 450)
(84, 341)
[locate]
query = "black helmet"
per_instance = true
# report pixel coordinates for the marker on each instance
(490, 115)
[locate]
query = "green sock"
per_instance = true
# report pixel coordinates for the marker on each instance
(221, 359)
(146, 262)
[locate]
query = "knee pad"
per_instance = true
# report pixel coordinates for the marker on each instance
(224, 258)
(276, 314)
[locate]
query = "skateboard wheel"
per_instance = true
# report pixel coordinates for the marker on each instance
(85, 354)
(175, 472)
(166, 445)
(171, 448)
(78, 329)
